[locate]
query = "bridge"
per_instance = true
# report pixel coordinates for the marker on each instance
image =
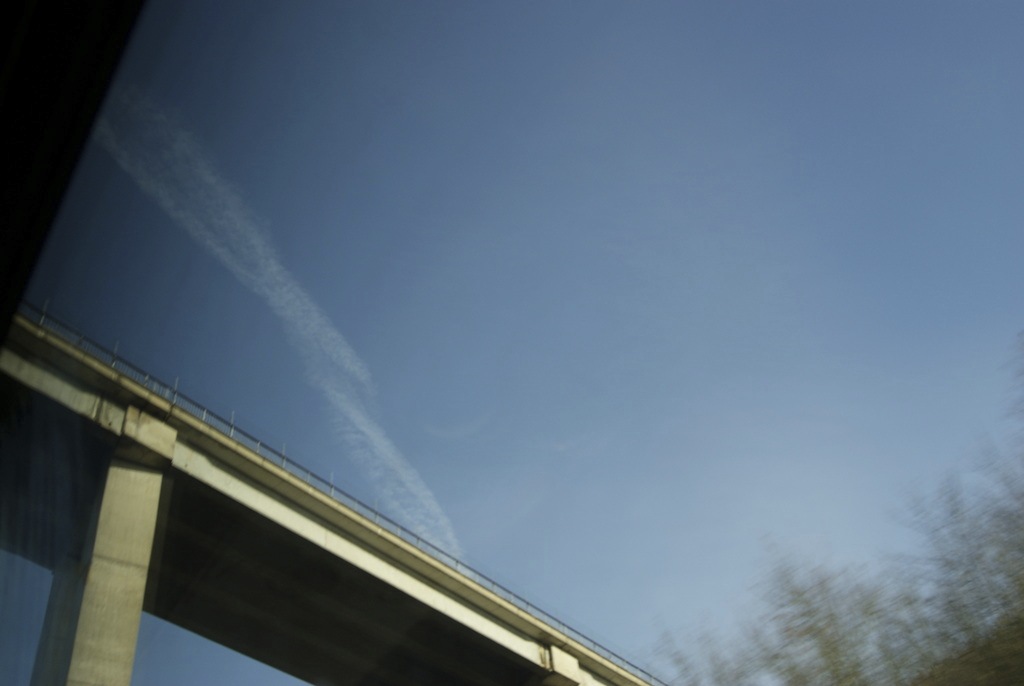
(152, 503)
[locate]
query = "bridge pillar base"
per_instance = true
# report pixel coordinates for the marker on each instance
(92, 621)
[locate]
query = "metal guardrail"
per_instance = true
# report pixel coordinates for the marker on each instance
(228, 428)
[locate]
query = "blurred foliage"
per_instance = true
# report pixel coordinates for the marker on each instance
(949, 616)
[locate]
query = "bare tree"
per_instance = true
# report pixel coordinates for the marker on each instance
(952, 615)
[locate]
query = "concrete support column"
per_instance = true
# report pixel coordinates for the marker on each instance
(58, 633)
(93, 622)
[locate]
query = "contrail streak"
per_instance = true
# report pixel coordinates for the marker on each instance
(169, 166)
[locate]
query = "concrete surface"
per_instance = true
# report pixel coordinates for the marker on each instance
(199, 530)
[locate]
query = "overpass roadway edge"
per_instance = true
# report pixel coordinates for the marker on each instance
(156, 432)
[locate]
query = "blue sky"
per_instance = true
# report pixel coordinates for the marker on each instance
(606, 295)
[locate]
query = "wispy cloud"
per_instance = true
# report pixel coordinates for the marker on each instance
(167, 163)
(460, 430)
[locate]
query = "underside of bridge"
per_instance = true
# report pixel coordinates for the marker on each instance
(242, 581)
(229, 574)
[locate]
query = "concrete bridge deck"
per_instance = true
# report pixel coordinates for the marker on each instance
(157, 505)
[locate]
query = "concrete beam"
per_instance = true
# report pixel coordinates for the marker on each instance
(57, 388)
(201, 467)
